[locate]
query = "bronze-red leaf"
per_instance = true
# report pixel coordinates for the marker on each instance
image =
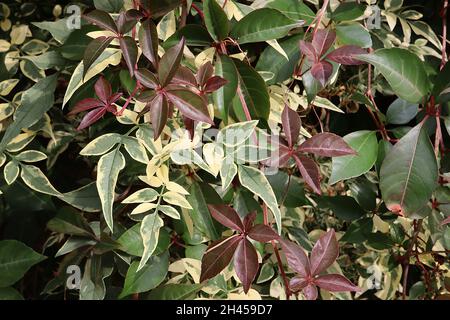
(227, 216)
(335, 283)
(322, 71)
(263, 233)
(246, 263)
(291, 125)
(309, 171)
(324, 253)
(326, 145)
(218, 256)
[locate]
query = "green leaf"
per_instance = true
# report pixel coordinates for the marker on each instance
(175, 291)
(348, 11)
(11, 172)
(441, 83)
(344, 207)
(200, 212)
(85, 198)
(366, 145)
(109, 5)
(141, 196)
(272, 61)
(36, 101)
(255, 181)
(150, 233)
(59, 29)
(93, 51)
(223, 97)
(135, 149)
(353, 34)
(401, 112)
(101, 145)
(47, 60)
(409, 174)
(36, 180)
(358, 231)
(68, 221)
(108, 170)
(403, 70)
(149, 277)
(15, 260)
(296, 10)
(254, 91)
(31, 156)
(9, 293)
(288, 189)
(92, 285)
(216, 20)
(262, 25)
(195, 35)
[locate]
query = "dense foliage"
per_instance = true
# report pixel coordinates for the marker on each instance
(180, 149)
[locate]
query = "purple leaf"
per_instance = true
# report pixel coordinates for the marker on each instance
(214, 83)
(205, 72)
(103, 89)
(322, 71)
(445, 221)
(114, 98)
(263, 233)
(346, 55)
(218, 256)
(246, 263)
(323, 39)
(129, 52)
(309, 171)
(296, 258)
(310, 292)
(326, 145)
(298, 283)
(190, 105)
(127, 20)
(101, 19)
(226, 216)
(148, 41)
(249, 219)
(146, 96)
(159, 111)
(291, 125)
(147, 78)
(170, 62)
(185, 76)
(308, 50)
(335, 283)
(91, 117)
(324, 253)
(85, 105)
(280, 158)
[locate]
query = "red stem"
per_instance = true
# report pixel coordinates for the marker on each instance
(199, 11)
